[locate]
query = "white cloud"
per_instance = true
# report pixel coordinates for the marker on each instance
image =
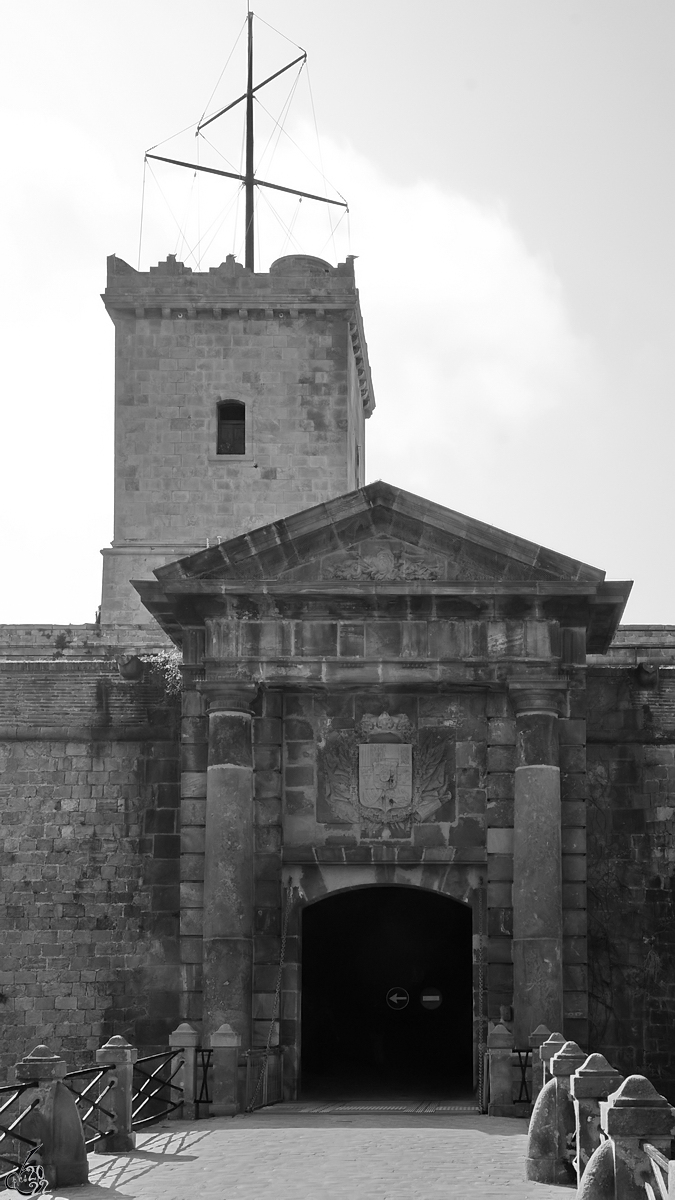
(470, 343)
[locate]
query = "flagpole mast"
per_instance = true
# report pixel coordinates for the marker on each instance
(249, 178)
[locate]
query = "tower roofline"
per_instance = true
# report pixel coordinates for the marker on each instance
(294, 284)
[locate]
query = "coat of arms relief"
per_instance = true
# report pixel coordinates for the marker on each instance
(386, 786)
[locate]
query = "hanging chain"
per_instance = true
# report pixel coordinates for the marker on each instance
(481, 1005)
(277, 993)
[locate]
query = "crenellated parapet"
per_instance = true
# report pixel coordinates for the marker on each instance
(298, 284)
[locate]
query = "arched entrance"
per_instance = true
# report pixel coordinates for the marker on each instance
(386, 994)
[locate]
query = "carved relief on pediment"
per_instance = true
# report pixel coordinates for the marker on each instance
(383, 561)
(385, 787)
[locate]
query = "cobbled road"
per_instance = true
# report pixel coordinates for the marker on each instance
(283, 1154)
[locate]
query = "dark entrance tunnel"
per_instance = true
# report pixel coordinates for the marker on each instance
(360, 947)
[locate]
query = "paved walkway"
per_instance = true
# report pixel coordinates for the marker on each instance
(287, 1155)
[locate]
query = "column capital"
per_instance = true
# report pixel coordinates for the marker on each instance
(226, 696)
(538, 696)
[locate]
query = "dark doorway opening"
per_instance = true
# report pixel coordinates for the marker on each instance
(363, 953)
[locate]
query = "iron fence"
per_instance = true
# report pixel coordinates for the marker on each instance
(88, 1099)
(203, 1082)
(662, 1184)
(263, 1080)
(154, 1095)
(15, 1147)
(525, 1065)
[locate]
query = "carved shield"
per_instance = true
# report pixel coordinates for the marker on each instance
(385, 776)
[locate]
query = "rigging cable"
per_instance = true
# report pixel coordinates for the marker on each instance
(278, 123)
(184, 225)
(140, 231)
(284, 226)
(283, 35)
(301, 151)
(220, 76)
(318, 146)
(199, 216)
(220, 154)
(331, 235)
(173, 215)
(226, 212)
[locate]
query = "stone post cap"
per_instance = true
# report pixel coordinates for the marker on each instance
(228, 695)
(636, 1110)
(225, 1036)
(40, 1065)
(117, 1050)
(595, 1079)
(500, 1038)
(538, 695)
(551, 1047)
(184, 1036)
(568, 1059)
(539, 1036)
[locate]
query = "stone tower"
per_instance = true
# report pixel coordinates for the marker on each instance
(240, 398)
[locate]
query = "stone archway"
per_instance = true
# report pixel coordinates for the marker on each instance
(351, 941)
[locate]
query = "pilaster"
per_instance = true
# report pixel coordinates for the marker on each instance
(537, 872)
(228, 860)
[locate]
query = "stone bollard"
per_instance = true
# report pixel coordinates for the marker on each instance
(225, 1044)
(119, 1052)
(551, 1136)
(592, 1083)
(55, 1122)
(187, 1039)
(635, 1114)
(563, 1066)
(536, 1040)
(546, 1052)
(500, 1051)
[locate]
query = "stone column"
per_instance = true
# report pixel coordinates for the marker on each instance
(592, 1082)
(500, 1054)
(228, 861)
(633, 1115)
(537, 872)
(186, 1038)
(537, 1039)
(546, 1051)
(118, 1052)
(225, 1044)
(56, 1121)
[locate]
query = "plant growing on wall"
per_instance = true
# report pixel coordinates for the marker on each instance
(164, 669)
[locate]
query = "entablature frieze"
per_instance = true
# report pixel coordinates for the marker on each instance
(412, 642)
(396, 675)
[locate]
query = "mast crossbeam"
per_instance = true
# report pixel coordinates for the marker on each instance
(177, 162)
(249, 178)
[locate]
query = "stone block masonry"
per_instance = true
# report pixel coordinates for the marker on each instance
(288, 345)
(89, 826)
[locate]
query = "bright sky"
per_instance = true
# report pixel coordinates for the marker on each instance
(509, 169)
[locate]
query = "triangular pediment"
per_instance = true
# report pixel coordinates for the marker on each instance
(378, 533)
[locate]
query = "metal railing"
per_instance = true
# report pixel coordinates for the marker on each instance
(88, 1100)
(155, 1096)
(662, 1184)
(11, 1115)
(203, 1081)
(259, 1092)
(525, 1065)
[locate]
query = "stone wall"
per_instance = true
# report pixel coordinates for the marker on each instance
(89, 902)
(631, 888)
(288, 344)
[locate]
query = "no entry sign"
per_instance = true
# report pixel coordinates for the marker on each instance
(398, 998)
(431, 998)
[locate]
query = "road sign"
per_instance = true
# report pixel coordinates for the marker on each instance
(431, 998)
(398, 998)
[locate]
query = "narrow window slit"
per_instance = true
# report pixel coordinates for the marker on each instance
(231, 427)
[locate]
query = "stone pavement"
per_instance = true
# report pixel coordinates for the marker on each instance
(287, 1155)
